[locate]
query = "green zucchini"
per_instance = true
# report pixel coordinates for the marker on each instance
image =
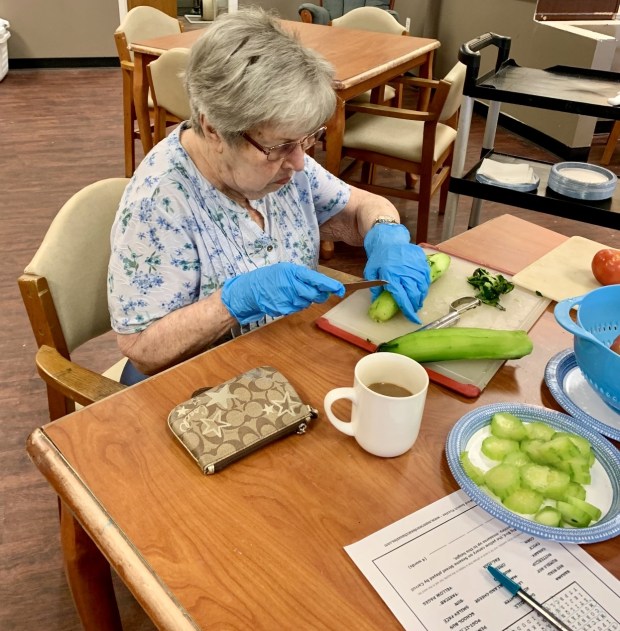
(548, 516)
(474, 472)
(524, 501)
(503, 480)
(384, 307)
(460, 343)
(506, 425)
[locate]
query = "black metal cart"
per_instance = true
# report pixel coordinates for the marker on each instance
(561, 88)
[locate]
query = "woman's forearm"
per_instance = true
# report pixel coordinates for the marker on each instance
(357, 217)
(179, 335)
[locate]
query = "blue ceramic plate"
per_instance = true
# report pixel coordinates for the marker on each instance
(577, 397)
(604, 491)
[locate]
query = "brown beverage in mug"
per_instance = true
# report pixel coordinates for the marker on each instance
(389, 389)
(388, 396)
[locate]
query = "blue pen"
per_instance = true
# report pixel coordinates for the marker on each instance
(515, 590)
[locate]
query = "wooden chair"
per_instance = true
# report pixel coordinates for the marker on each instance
(64, 289)
(142, 22)
(610, 146)
(379, 21)
(328, 10)
(170, 100)
(419, 143)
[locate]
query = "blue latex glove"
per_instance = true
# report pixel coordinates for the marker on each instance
(276, 290)
(402, 264)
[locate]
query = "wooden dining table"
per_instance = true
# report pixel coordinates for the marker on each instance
(362, 61)
(260, 545)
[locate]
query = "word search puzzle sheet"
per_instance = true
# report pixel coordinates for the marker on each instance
(430, 569)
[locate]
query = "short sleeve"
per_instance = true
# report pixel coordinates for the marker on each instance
(154, 265)
(329, 193)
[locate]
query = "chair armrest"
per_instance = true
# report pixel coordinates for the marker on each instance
(319, 14)
(393, 112)
(419, 82)
(72, 380)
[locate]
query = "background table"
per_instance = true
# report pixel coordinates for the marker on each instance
(362, 60)
(260, 544)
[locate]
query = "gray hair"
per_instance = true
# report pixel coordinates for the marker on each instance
(246, 71)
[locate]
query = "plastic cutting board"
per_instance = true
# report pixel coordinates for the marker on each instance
(349, 320)
(564, 272)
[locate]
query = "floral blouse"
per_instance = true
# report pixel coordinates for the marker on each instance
(177, 239)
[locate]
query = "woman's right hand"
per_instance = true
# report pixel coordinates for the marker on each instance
(276, 290)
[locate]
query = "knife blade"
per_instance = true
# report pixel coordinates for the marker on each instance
(362, 284)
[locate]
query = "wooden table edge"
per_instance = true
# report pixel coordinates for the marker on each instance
(159, 604)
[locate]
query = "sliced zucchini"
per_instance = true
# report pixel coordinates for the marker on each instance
(497, 448)
(574, 516)
(593, 511)
(503, 479)
(539, 431)
(548, 516)
(524, 501)
(517, 458)
(475, 473)
(506, 425)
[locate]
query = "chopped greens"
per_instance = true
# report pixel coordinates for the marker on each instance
(489, 287)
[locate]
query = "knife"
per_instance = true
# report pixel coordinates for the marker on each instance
(515, 589)
(362, 284)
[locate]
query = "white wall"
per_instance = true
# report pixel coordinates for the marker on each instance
(61, 28)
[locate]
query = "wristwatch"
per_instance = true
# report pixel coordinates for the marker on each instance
(385, 219)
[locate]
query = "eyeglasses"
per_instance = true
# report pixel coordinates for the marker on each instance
(280, 152)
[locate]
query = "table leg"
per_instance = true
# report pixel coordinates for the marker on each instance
(335, 132)
(89, 576)
(140, 97)
(426, 72)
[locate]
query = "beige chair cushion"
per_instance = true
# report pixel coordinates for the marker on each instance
(74, 258)
(456, 77)
(376, 20)
(146, 22)
(114, 372)
(167, 72)
(393, 136)
(370, 19)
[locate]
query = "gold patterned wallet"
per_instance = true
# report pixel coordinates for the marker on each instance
(222, 424)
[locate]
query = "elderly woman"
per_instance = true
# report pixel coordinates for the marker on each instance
(219, 229)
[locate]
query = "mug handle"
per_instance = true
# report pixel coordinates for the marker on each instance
(330, 398)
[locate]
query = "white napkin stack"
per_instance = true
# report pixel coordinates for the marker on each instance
(506, 173)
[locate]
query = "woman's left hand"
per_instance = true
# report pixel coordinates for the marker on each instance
(393, 258)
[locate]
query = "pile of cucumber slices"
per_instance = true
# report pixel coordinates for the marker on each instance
(540, 472)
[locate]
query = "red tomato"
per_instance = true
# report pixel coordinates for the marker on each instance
(606, 267)
(615, 345)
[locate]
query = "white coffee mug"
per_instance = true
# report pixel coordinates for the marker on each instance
(383, 424)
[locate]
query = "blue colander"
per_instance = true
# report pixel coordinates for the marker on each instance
(597, 326)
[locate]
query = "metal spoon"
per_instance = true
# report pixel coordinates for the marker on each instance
(460, 305)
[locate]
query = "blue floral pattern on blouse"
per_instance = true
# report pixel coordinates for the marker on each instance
(177, 239)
